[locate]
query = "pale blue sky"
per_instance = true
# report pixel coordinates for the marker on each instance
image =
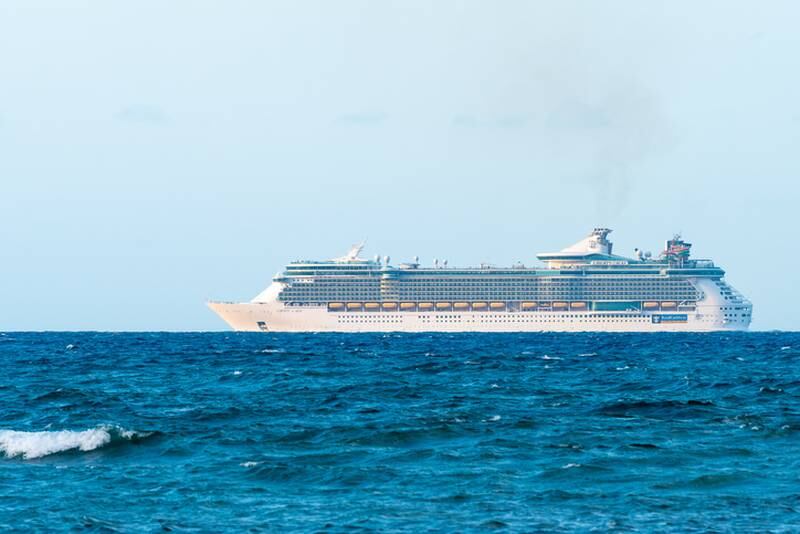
(155, 154)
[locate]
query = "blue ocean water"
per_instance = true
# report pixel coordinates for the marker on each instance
(515, 432)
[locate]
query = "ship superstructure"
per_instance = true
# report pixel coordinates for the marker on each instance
(584, 287)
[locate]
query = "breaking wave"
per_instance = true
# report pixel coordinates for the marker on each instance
(30, 445)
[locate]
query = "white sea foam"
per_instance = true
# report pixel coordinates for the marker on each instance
(249, 464)
(236, 373)
(570, 466)
(31, 445)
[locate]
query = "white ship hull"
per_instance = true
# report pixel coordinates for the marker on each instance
(261, 317)
(271, 315)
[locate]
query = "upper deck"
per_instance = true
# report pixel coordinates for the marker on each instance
(590, 256)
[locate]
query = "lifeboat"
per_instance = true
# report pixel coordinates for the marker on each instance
(335, 306)
(461, 305)
(425, 305)
(650, 305)
(442, 305)
(529, 305)
(497, 305)
(389, 305)
(559, 305)
(371, 305)
(478, 305)
(353, 305)
(407, 305)
(669, 304)
(578, 305)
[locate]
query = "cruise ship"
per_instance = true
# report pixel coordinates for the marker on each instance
(584, 287)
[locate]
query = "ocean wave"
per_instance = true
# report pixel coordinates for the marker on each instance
(30, 445)
(665, 409)
(390, 429)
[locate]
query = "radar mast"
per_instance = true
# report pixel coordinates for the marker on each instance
(352, 254)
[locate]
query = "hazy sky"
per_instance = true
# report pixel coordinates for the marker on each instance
(156, 154)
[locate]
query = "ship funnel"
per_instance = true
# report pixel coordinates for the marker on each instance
(386, 260)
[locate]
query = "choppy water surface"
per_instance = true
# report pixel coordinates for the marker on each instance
(525, 432)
